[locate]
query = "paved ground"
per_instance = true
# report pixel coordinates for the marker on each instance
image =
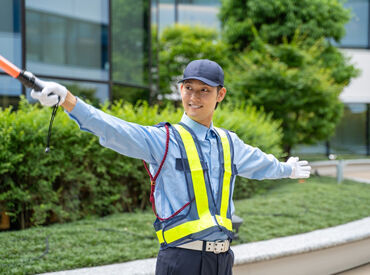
(363, 176)
(362, 270)
(358, 170)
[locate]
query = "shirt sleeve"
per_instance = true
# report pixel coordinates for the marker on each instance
(129, 139)
(252, 163)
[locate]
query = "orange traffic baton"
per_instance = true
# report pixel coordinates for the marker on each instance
(27, 78)
(30, 81)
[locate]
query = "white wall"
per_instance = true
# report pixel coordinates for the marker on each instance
(358, 91)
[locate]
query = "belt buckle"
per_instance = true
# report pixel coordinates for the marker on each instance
(218, 247)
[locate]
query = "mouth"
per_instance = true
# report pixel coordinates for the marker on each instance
(195, 106)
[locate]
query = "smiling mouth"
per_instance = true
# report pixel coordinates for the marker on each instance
(195, 106)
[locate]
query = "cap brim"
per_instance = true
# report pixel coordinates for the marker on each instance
(205, 80)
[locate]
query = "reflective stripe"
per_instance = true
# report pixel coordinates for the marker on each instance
(186, 229)
(225, 222)
(160, 236)
(227, 173)
(196, 169)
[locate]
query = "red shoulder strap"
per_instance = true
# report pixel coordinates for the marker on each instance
(153, 179)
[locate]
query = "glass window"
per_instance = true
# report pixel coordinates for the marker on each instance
(154, 45)
(316, 149)
(199, 13)
(350, 135)
(358, 27)
(10, 31)
(10, 90)
(95, 93)
(130, 41)
(166, 13)
(201, 2)
(66, 39)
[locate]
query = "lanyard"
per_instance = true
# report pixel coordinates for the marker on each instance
(29, 81)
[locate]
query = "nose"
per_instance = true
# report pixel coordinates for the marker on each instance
(195, 94)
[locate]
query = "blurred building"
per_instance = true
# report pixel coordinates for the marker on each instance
(101, 49)
(352, 135)
(193, 12)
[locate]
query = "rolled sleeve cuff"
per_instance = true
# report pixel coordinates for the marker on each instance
(80, 113)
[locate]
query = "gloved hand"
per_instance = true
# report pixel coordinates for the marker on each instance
(49, 95)
(300, 169)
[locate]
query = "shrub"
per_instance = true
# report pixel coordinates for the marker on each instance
(289, 82)
(79, 177)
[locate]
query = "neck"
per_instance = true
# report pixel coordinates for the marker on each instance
(205, 122)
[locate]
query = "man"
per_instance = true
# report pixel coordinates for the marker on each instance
(193, 191)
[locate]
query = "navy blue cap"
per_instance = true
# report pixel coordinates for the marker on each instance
(206, 71)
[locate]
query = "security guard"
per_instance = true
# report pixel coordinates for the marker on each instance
(195, 165)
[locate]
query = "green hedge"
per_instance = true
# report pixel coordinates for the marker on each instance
(79, 177)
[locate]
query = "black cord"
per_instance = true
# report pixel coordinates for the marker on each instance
(53, 114)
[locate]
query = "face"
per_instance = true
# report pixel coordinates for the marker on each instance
(199, 100)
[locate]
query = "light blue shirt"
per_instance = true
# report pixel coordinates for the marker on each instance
(148, 143)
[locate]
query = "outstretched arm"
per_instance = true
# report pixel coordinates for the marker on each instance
(129, 139)
(252, 163)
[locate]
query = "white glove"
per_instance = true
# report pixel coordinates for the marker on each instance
(300, 169)
(49, 95)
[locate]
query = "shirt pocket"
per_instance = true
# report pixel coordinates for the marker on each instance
(171, 193)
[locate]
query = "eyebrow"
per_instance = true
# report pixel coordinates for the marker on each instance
(201, 85)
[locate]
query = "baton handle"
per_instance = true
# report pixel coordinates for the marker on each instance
(30, 81)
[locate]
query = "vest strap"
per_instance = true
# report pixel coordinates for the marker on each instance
(227, 172)
(153, 179)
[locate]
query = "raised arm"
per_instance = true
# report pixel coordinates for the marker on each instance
(252, 163)
(130, 139)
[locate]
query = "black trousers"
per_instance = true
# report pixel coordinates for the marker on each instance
(180, 261)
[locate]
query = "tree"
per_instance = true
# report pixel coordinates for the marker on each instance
(180, 44)
(295, 71)
(287, 81)
(279, 19)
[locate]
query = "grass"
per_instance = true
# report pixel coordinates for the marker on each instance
(292, 208)
(288, 208)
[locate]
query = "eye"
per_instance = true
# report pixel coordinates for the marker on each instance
(187, 87)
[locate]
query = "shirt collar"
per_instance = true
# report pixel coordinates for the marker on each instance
(199, 130)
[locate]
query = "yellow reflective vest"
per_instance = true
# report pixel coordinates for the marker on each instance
(205, 214)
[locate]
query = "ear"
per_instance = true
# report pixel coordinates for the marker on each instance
(221, 94)
(181, 88)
